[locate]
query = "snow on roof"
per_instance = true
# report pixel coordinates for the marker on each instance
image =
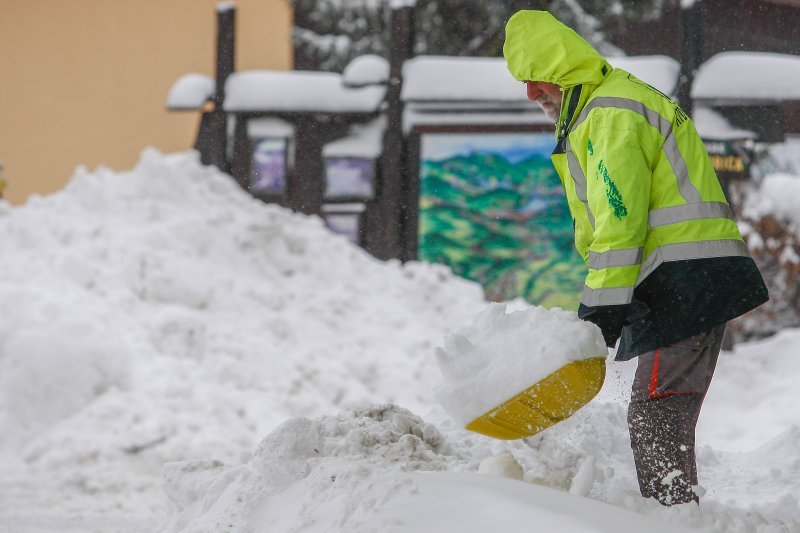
(298, 91)
(369, 69)
(748, 76)
(364, 141)
(269, 127)
(440, 78)
(191, 91)
(712, 125)
(431, 78)
(659, 71)
(399, 4)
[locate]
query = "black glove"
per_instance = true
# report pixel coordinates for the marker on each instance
(609, 318)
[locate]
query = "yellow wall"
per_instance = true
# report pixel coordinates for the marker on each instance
(86, 81)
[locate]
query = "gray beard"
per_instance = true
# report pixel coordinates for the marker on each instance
(552, 113)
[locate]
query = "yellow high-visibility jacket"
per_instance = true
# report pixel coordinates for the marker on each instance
(642, 193)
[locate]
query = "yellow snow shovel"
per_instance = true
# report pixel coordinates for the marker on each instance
(547, 402)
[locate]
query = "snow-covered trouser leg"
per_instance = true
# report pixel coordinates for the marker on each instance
(667, 393)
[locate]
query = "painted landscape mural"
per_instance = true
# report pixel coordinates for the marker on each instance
(492, 208)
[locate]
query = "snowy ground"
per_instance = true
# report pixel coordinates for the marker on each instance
(162, 316)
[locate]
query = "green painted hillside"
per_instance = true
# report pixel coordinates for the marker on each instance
(505, 225)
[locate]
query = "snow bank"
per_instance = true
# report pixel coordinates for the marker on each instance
(360, 471)
(385, 469)
(778, 195)
(163, 314)
(769, 368)
(504, 352)
(328, 472)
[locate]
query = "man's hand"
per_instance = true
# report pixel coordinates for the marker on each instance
(609, 318)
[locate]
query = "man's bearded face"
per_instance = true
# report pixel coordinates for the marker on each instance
(547, 95)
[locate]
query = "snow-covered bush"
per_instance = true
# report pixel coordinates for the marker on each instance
(770, 223)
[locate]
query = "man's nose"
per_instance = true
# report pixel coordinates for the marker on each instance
(534, 91)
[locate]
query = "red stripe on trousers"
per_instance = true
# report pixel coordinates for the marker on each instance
(651, 391)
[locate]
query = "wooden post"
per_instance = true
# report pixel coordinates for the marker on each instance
(690, 40)
(213, 135)
(384, 234)
(242, 152)
(305, 183)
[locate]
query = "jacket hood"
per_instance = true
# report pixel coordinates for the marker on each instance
(539, 47)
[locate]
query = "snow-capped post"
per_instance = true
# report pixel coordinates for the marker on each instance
(212, 139)
(690, 42)
(226, 47)
(384, 238)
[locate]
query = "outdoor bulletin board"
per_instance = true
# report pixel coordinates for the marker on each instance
(491, 207)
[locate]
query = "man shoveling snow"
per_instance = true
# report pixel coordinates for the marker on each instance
(667, 264)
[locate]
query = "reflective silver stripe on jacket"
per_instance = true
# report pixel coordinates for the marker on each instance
(611, 296)
(682, 213)
(579, 178)
(691, 250)
(685, 186)
(663, 125)
(615, 258)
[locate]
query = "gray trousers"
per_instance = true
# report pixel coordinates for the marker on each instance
(668, 391)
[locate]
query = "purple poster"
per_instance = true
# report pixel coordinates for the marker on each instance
(344, 219)
(348, 178)
(346, 224)
(269, 166)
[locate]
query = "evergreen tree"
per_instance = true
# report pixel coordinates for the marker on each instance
(329, 33)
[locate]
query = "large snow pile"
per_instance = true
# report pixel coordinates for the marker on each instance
(164, 316)
(503, 353)
(384, 469)
(361, 471)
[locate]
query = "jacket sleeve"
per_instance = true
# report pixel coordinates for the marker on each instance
(618, 180)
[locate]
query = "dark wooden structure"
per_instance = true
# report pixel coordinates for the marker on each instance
(305, 179)
(389, 218)
(212, 135)
(722, 26)
(695, 34)
(386, 217)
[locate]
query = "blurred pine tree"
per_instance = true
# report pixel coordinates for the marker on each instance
(329, 33)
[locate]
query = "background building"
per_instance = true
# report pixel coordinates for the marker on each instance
(85, 81)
